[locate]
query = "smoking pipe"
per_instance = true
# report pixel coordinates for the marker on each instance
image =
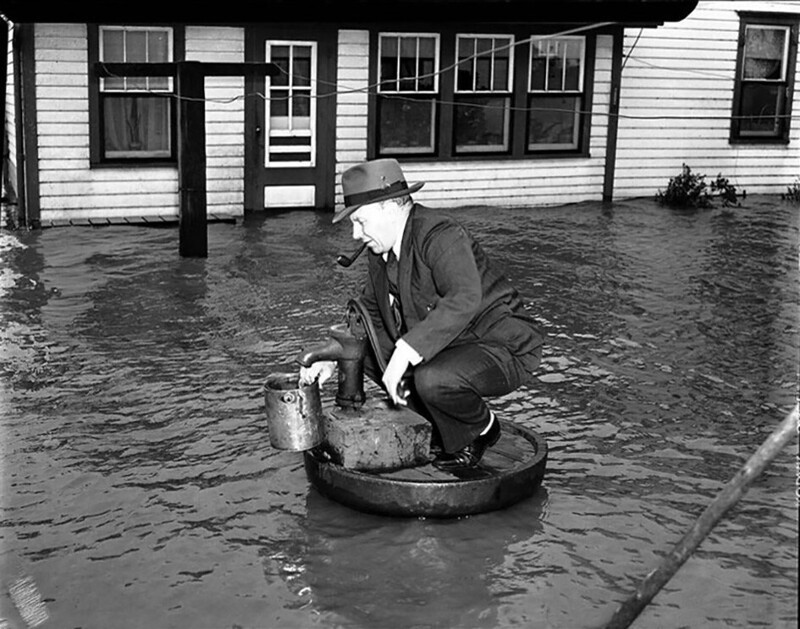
(347, 261)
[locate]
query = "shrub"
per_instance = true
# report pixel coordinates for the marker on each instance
(793, 192)
(690, 190)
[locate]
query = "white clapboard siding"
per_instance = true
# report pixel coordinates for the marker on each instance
(351, 104)
(676, 104)
(509, 183)
(70, 189)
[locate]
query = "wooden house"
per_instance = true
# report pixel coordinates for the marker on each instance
(492, 102)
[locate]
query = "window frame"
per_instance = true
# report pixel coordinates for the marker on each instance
(97, 158)
(760, 19)
(579, 93)
(444, 118)
(416, 94)
(291, 135)
(507, 93)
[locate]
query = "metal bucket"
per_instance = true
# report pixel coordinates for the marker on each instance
(294, 412)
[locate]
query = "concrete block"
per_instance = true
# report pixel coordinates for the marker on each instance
(376, 436)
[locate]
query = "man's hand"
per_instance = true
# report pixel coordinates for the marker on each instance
(394, 372)
(321, 370)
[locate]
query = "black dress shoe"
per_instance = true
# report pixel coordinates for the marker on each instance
(469, 456)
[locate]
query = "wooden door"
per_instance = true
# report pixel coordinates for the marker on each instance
(290, 123)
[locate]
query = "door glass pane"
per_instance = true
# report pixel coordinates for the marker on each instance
(279, 103)
(763, 57)
(301, 74)
(301, 111)
(280, 57)
(406, 126)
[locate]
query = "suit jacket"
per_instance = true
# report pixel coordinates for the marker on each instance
(450, 294)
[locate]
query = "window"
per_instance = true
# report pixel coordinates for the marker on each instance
(471, 95)
(555, 93)
(136, 113)
(763, 90)
(483, 93)
(408, 89)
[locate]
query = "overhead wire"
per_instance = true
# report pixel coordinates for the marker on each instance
(372, 88)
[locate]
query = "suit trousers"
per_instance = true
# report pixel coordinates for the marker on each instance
(450, 389)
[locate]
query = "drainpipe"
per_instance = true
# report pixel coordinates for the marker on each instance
(4, 26)
(22, 206)
(613, 115)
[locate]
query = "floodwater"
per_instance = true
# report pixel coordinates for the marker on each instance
(140, 490)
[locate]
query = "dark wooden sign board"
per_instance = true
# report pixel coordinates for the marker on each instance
(190, 92)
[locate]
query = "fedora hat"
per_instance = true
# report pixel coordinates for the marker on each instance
(370, 182)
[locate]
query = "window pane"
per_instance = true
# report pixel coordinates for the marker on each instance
(481, 124)
(555, 66)
(158, 46)
(135, 52)
(763, 57)
(553, 122)
(136, 126)
(464, 76)
(466, 48)
(572, 80)
(113, 52)
(501, 66)
(406, 126)
(760, 108)
(113, 46)
(427, 80)
(388, 75)
(483, 64)
(408, 63)
(538, 65)
(427, 48)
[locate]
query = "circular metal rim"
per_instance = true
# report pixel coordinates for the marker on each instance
(412, 498)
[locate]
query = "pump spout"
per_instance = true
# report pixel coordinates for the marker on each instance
(329, 350)
(348, 352)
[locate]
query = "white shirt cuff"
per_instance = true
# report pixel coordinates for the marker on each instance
(408, 352)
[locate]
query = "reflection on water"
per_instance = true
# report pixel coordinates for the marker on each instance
(140, 490)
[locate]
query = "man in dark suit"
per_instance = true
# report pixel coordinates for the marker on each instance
(441, 312)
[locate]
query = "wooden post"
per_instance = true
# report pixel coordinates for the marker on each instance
(193, 231)
(190, 90)
(613, 116)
